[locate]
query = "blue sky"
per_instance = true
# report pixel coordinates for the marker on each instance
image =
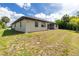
(35, 8)
(47, 11)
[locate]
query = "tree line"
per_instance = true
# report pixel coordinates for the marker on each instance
(69, 22)
(3, 22)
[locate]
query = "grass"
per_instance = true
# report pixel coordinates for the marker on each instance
(51, 43)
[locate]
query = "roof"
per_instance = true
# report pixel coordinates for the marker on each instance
(30, 18)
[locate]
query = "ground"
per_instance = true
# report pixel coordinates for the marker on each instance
(50, 43)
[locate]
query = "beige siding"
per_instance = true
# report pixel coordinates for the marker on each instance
(29, 26)
(13, 26)
(22, 28)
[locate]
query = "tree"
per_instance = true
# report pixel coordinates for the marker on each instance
(60, 24)
(2, 25)
(67, 22)
(75, 22)
(5, 19)
(65, 18)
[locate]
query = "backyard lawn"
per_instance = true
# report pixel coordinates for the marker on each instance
(50, 43)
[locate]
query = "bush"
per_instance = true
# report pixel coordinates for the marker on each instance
(2, 25)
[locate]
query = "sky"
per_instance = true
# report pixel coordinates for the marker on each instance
(46, 11)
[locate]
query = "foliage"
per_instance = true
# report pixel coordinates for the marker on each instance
(3, 22)
(60, 23)
(64, 22)
(2, 25)
(75, 22)
(67, 22)
(5, 19)
(65, 18)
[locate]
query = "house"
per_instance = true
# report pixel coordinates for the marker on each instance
(31, 24)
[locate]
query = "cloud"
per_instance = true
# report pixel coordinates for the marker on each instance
(51, 17)
(24, 5)
(67, 8)
(40, 15)
(71, 8)
(48, 13)
(11, 14)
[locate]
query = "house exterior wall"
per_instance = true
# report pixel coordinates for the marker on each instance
(18, 28)
(55, 26)
(29, 26)
(13, 26)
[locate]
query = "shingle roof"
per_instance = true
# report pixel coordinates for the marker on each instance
(31, 18)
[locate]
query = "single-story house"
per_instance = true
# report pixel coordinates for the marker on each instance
(32, 24)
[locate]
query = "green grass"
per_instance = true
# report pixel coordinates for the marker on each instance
(51, 43)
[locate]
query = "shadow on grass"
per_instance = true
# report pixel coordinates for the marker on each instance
(77, 31)
(9, 32)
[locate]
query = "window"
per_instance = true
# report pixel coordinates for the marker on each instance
(43, 24)
(36, 24)
(20, 24)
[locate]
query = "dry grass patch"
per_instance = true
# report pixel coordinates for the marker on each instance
(44, 43)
